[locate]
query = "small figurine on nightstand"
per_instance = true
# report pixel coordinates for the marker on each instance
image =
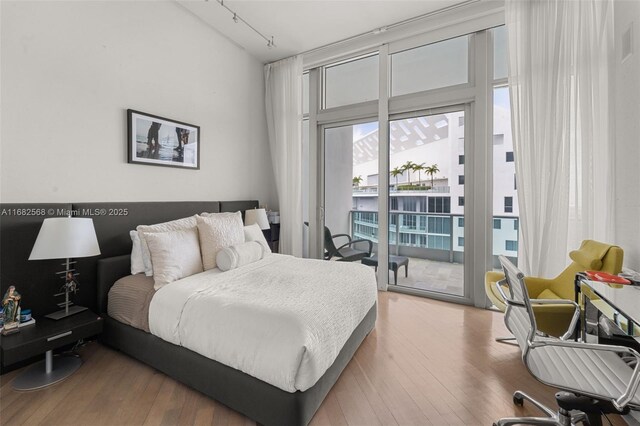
(11, 306)
(71, 282)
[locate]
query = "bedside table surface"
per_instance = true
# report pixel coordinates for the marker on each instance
(48, 334)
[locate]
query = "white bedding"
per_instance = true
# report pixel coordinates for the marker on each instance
(282, 319)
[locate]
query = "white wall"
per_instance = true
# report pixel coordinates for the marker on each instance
(71, 69)
(627, 125)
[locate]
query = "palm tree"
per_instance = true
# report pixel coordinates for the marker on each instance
(432, 170)
(357, 180)
(408, 167)
(395, 173)
(419, 168)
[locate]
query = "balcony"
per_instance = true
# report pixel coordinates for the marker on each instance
(434, 244)
(373, 190)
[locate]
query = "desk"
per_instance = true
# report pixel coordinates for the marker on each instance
(611, 312)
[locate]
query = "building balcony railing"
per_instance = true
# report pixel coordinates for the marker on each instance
(443, 189)
(435, 236)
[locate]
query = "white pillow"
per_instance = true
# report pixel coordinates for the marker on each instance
(137, 262)
(174, 255)
(217, 232)
(239, 255)
(254, 233)
(143, 230)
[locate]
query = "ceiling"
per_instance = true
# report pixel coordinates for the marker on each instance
(302, 25)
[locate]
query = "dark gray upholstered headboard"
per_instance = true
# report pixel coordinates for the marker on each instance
(113, 221)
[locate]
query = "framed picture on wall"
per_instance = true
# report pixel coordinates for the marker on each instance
(161, 141)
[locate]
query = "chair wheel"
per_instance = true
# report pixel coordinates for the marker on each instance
(518, 400)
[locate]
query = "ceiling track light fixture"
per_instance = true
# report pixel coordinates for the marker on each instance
(237, 18)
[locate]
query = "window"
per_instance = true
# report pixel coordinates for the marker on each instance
(393, 201)
(504, 157)
(409, 221)
(515, 225)
(511, 245)
(460, 179)
(508, 204)
(515, 183)
(461, 222)
(423, 204)
(438, 225)
(423, 222)
(409, 204)
(461, 201)
(461, 121)
(497, 224)
(461, 159)
(461, 241)
(499, 52)
(436, 65)
(439, 205)
(439, 242)
(351, 82)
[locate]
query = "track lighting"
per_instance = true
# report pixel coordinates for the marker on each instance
(237, 18)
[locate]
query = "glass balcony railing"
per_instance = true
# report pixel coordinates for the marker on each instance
(439, 189)
(435, 236)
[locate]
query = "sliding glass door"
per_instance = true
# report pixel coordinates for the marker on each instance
(426, 202)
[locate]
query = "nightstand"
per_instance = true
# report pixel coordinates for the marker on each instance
(273, 236)
(42, 338)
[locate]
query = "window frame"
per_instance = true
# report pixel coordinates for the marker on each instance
(508, 207)
(476, 120)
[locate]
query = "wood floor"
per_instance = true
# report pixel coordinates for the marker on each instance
(426, 363)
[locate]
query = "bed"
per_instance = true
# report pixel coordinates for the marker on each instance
(291, 401)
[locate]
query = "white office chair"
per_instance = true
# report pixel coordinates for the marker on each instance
(594, 378)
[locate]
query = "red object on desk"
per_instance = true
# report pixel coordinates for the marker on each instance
(606, 277)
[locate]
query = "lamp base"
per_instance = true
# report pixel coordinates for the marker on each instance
(47, 372)
(62, 314)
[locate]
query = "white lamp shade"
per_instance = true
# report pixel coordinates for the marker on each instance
(258, 216)
(65, 237)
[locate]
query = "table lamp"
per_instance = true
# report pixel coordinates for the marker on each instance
(66, 238)
(258, 216)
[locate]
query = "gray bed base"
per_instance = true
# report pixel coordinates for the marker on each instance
(258, 400)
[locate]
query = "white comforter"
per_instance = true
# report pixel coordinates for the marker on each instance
(282, 319)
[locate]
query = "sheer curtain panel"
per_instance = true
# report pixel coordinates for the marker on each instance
(560, 57)
(283, 81)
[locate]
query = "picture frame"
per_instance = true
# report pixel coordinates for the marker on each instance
(160, 141)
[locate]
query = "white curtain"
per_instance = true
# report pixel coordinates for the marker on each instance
(560, 56)
(283, 81)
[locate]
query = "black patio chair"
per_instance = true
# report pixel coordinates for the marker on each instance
(345, 252)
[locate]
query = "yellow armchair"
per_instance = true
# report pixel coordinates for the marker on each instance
(554, 319)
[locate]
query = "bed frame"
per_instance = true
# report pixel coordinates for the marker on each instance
(256, 399)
